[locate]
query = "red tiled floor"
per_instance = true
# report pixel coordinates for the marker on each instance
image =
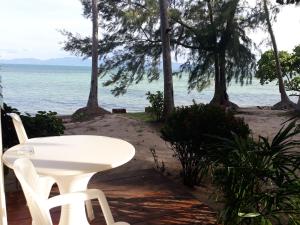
(139, 198)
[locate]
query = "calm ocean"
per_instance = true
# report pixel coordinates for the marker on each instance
(64, 89)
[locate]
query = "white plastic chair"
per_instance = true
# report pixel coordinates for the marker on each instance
(47, 182)
(39, 206)
(22, 136)
(20, 130)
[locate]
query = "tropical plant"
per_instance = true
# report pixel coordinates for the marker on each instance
(290, 68)
(266, 71)
(293, 84)
(43, 124)
(258, 181)
(156, 104)
(190, 132)
(285, 101)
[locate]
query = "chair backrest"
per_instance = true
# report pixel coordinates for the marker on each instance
(29, 180)
(20, 130)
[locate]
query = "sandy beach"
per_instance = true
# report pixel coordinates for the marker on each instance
(145, 136)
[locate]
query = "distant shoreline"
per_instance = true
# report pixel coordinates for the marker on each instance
(41, 65)
(239, 110)
(65, 61)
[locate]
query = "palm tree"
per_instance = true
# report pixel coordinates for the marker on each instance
(285, 101)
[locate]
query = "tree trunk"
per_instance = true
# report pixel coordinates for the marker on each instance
(285, 101)
(93, 96)
(223, 96)
(167, 64)
(220, 95)
(218, 91)
(298, 104)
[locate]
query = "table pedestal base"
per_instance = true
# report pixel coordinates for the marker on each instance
(73, 214)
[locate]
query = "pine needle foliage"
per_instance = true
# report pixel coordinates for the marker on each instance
(130, 46)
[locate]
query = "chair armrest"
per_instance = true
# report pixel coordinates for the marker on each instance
(71, 198)
(75, 197)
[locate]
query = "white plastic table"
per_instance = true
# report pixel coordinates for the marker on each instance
(72, 161)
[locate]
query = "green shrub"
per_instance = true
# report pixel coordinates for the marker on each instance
(41, 125)
(9, 136)
(191, 131)
(80, 116)
(156, 104)
(259, 181)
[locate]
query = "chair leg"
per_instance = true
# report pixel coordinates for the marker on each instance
(89, 210)
(105, 208)
(46, 184)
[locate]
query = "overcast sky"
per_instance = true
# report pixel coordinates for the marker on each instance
(29, 28)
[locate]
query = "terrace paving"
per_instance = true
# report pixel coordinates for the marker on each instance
(140, 197)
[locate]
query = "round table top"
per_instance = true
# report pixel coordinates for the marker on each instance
(74, 154)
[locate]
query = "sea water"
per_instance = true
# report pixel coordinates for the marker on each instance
(63, 89)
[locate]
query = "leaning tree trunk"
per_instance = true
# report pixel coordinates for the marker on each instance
(93, 96)
(167, 64)
(285, 101)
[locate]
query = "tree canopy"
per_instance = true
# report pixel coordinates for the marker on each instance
(130, 46)
(290, 64)
(282, 2)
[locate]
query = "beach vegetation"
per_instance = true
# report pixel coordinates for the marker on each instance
(143, 116)
(212, 42)
(191, 130)
(290, 67)
(160, 166)
(168, 96)
(93, 96)
(285, 102)
(9, 136)
(156, 104)
(41, 124)
(296, 2)
(258, 180)
(131, 67)
(92, 108)
(79, 116)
